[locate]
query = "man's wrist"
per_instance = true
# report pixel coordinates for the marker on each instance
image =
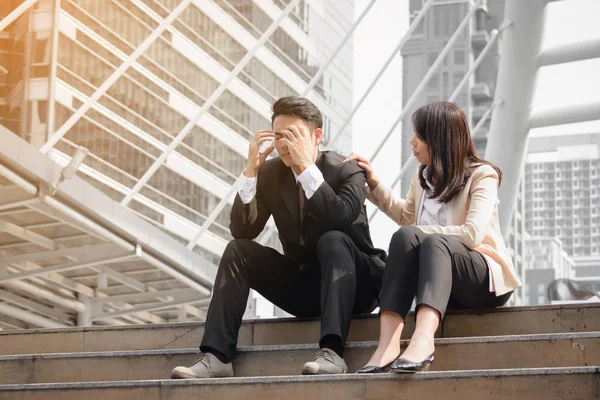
(305, 165)
(250, 173)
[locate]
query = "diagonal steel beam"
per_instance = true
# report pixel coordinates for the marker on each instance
(30, 236)
(122, 278)
(148, 296)
(92, 262)
(29, 317)
(325, 65)
(16, 13)
(12, 197)
(570, 52)
(414, 24)
(40, 308)
(517, 75)
(432, 70)
(61, 252)
(208, 103)
(164, 25)
(565, 115)
(217, 210)
(149, 307)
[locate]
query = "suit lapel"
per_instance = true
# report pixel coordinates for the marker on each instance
(289, 193)
(288, 189)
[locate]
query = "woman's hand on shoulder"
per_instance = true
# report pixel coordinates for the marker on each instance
(372, 179)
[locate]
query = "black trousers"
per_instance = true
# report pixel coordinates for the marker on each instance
(343, 283)
(439, 270)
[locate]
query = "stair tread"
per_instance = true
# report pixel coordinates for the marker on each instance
(269, 321)
(311, 346)
(461, 374)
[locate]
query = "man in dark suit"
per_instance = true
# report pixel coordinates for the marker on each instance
(329, 267)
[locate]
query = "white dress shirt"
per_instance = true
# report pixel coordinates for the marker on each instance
(433, 212)
(310, 179)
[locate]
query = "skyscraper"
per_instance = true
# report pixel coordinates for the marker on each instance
(562, 197)
(60, 52)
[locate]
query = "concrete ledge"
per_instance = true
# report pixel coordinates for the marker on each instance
(531, 384)
(502, 321)
(527, 351)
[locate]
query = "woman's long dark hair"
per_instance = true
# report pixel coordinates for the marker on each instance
(444, 128)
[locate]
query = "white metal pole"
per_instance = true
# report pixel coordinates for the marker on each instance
(570, 52)
(30, 318)
(325, 65)
(565, 115)
(53, 71)
(16, 13)
(391, 58)
(217, 210)
(114, 76)
(208, 103)
(432, 70)
(517, 74)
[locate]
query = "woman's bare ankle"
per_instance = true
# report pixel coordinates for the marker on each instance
(383, 357)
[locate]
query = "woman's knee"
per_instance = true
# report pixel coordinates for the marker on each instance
(405, 236)
(435, 243)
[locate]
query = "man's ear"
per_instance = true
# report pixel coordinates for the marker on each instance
(318, 135)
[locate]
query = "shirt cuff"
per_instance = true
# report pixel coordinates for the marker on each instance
(247, 189)
(310, 179)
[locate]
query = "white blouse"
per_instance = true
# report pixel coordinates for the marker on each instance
(433, 212)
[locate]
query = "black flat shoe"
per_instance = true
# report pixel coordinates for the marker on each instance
(373, 369)
(404, 366)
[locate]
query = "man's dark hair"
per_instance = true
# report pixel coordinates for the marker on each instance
(298, 107)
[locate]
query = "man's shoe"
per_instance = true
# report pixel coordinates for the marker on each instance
(326, 361)
(207, 366)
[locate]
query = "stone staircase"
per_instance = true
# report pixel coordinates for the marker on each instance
(511, 353)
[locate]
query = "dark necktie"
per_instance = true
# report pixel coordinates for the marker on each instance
(301, 204)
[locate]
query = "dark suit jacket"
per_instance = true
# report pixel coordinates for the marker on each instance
(338, 204)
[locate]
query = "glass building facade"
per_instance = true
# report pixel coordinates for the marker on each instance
(427, 42)
(58, 53)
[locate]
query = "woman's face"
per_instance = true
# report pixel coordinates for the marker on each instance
(420, 150)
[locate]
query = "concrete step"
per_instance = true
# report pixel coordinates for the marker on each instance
(577, 383)
(502, 321)
(479, 353)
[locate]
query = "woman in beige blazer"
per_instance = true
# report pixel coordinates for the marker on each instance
(450, 252)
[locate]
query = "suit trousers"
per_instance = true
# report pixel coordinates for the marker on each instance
(439, 270)
(344, 282)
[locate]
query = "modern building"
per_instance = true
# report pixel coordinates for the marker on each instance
(560, 204)
(562, 192)
(56, 55)
(420, 52)
(545, 261)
